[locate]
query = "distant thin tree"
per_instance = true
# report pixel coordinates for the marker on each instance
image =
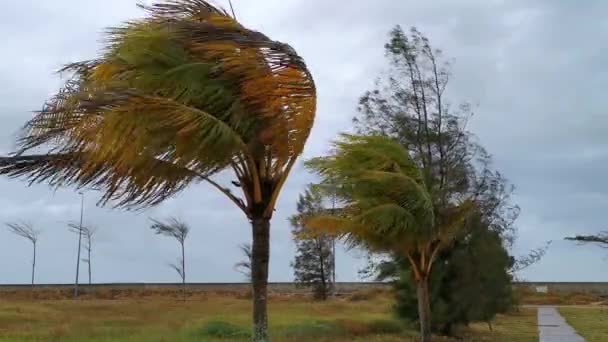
(178, 230)
(27, 231)
(244, 266)
(87, 232)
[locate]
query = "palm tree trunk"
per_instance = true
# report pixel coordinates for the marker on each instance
(184, 271)
(424, 309)
(89, 263)
(34, 265)
(259, 277)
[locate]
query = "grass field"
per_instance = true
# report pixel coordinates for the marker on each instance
(590, 322)
(227, 317)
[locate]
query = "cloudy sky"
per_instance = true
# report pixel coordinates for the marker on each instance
(533, 69)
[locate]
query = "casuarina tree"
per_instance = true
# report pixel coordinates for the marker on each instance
(313, 263)
(176, 98)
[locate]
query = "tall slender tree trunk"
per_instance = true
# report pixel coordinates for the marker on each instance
(34, 265)
(424, 309)
(183, 271)
(89, 263)
(260, 252)
(322, 263)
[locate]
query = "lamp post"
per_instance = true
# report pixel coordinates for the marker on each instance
(79, 243)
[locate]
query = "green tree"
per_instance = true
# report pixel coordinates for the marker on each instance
(409, 105)
(313, 263)
(470, 281)
(176, 98)
(387, 207)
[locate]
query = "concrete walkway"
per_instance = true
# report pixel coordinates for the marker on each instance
(552, 327)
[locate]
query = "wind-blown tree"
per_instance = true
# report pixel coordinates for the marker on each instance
(409, 104)
(27, 231)
(176, 98)
(178, 230)
(313, 263)
(470, 280)
(387, 208)
(244, 266)
(87, 232)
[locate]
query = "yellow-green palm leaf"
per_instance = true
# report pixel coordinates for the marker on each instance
(387, 205)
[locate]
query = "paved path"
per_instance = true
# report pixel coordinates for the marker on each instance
(552, 327)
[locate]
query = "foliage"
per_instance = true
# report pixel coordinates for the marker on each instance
(388, 207)
(175, 97)
(533, 257)
(173, 227)
(244, 266)
(313, 263)
(470, 282)
(408, 104)
(25, 230)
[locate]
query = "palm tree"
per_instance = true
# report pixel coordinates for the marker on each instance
(179, 231)
(176, 98)
(387, 207)
(27, 231)
(87, 232)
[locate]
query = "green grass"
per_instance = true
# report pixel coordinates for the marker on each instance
(225, 317)
(590, 322)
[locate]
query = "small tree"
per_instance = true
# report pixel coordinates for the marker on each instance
(244, 266)
(27, 231)
(87, 232)
(179, 231)
(388, 208)
(313, 264)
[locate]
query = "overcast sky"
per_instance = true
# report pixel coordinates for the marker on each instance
(534, 70)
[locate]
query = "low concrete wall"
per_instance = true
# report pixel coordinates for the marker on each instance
(599, 288)
(341, 287)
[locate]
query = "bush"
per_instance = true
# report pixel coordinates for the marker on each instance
(221, 329)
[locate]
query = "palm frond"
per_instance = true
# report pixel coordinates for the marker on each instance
(171, 227)
(25, 230)
(146, 182)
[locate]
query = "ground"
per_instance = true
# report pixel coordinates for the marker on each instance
(205, 317)
(591, 322)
